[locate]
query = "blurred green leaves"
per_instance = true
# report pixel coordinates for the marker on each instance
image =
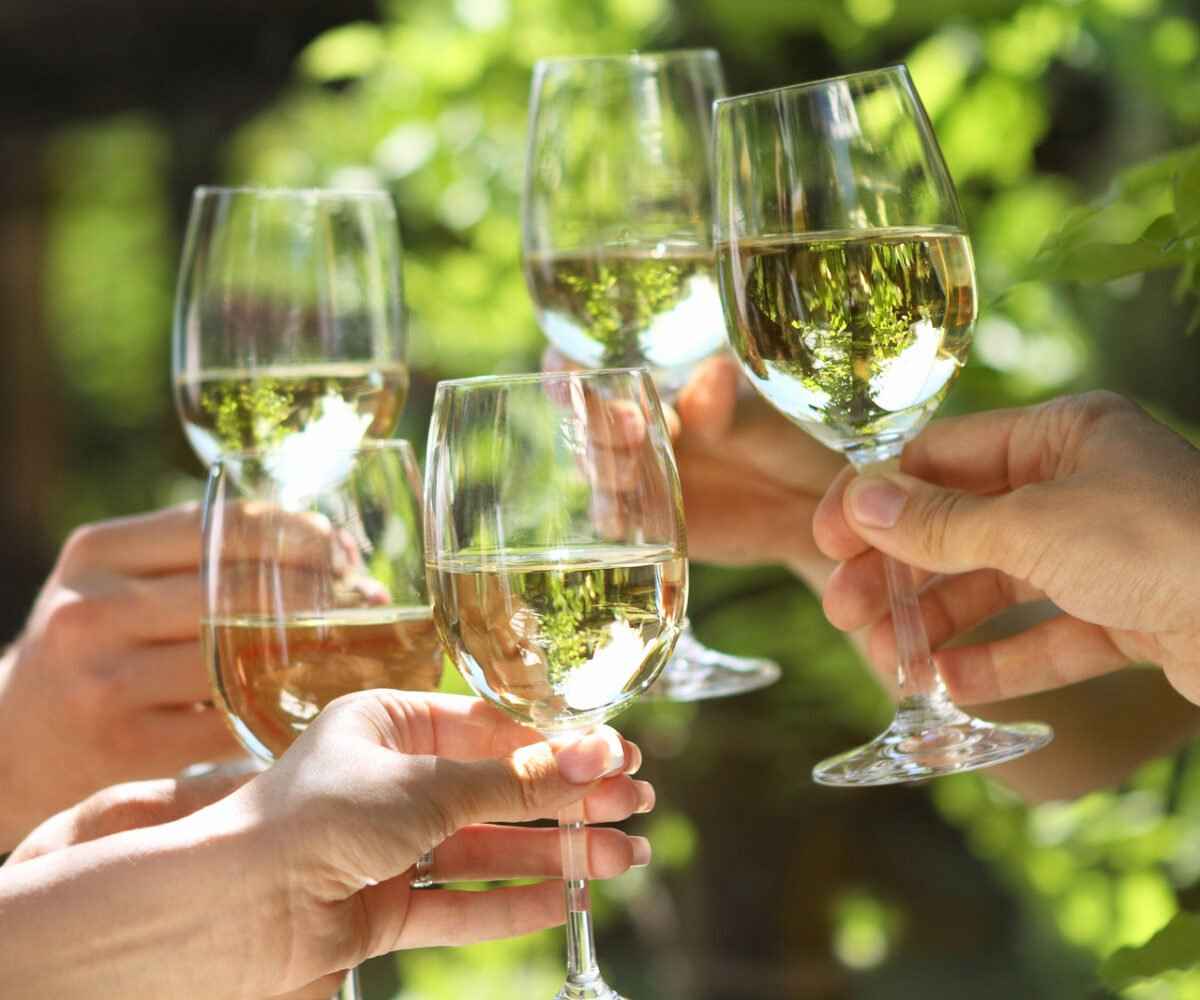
(1160, 200)
(1176, 946)
(1038, 104)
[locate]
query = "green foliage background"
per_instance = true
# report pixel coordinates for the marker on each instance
(1054, 117)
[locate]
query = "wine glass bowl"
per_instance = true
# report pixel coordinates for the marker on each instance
(848, 285)
(313, 590)
(557, 564)
(617, 247)
(616, 211)
(289, 320)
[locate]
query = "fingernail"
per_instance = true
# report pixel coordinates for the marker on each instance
(633, 759)
(646, 797)
(876, 502)
(591, 757)
(641, 852)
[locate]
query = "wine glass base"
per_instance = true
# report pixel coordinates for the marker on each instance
(595, 989)
(696, 673)
(904, 753)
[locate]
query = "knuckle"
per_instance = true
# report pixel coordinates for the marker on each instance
(1069, 422)
(1100, 403)
(938, 515)
(527, 776)
(80, 546)
(74, 620)
(127, 806)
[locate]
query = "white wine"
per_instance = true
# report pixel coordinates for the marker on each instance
(561, 638)
(273, 676)
(333, 404)
(622, 307)
(856, 336)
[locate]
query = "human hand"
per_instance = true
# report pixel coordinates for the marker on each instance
(133, 805)
(305, 870)
(1085, 501)
(341, 819)
(751, 479)
(106, 683)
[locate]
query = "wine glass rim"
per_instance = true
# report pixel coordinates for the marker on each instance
(633, 56)
(891, 70)
(275, 191)
(517, 378)
(367, 445)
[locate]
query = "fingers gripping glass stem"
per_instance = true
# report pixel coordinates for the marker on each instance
(930, 735)
(916, 674)
(583, 972)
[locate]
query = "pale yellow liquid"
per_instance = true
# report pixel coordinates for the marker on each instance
(561, 639)
(273, 676)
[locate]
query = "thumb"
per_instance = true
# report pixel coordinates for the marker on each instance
(533, 782)
(935, 529)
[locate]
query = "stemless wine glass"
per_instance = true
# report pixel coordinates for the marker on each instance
(289, 320)
(849, 293)
(617, 245)
(314, 587)
(557, 564)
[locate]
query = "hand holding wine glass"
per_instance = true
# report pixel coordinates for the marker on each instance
(107, 677)
(849, 291)
(276, 888)
(1029, 504)
(557, 564)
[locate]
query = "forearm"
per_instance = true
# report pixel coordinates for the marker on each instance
(162, 911)
(1104, 729)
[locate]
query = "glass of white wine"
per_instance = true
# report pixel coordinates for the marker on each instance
(617, 246)
(289, 325)
(848, 285)
(557, 565)
(314, 587)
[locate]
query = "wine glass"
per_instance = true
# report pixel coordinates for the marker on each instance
(557, 565)
(289, 320)
(314, 587)
(617, 246)
(849, 293)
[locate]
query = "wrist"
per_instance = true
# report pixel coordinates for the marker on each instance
(170, 910)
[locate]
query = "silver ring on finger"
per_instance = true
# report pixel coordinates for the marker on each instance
(423, 872)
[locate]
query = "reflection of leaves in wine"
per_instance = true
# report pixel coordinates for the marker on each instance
(622, 301)
(251, 414)
(860, 306)
(568, 635)
(566, 643)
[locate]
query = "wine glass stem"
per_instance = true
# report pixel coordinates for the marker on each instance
(351, 990)
(582, 969)
(924, 700)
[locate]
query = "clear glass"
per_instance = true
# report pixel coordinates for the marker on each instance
(557, 564)
(289, 327)
(314, 586)
(849, 292)
(617, 245)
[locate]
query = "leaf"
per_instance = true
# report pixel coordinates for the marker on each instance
(1187, 193)
(1096, 263)
(1176, 946)
(1159, 170)
(1193, 323)
(1162, 231)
